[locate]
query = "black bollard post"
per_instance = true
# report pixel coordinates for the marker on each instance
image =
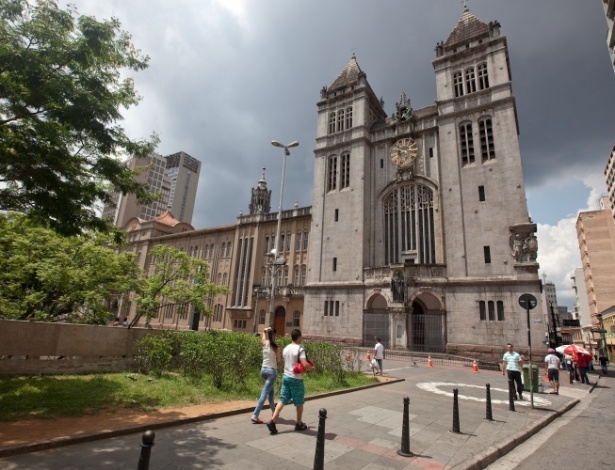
(456, 410)
(319, 456)
(405, 431)
(489, 413)
(511, 397)
(146, 449)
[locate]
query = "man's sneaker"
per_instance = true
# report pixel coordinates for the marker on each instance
(272, 428)
(300, 427)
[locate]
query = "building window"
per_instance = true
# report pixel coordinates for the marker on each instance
(345, 171)
(266, 246)
(303, 275)
(487, 149)
(340, 120)
(261, 317)
(334, 264)
(228, 249)
(285, 276)
(483, 76)
(298, 241)
(458, 84)
(296, 274)
(332, 174)
(409, 226)
(239, 324)
(349, 117)
(336, 216)
(332, 123)
(430, 152)
(491, 307)
(470, 80)
(467, 144)
(305, 240)
(487, 252)
(482, 310)
(296, 319)
(481, 193)
(332, 308)
(287, 242)
(500, 308)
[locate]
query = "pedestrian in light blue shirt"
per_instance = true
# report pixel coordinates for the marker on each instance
(511, 364)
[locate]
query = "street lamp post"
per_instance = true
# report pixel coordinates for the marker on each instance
(276, 250)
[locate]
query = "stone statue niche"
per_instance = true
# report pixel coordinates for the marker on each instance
(524, 247)
(398, 287)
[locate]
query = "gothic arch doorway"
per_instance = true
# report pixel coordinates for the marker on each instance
(279, 320)
(376, 321)
(427, 325)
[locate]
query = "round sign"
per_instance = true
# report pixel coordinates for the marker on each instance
(528, 301)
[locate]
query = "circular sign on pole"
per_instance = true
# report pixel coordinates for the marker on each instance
(528, 301)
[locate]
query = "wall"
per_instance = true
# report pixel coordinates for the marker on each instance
(48, 348)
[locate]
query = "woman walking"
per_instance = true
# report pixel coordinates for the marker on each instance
(269, 371)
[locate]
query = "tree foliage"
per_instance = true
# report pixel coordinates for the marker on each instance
(44, 275)
(174, 278)
(61, 96)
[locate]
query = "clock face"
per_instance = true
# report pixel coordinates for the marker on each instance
(404, 152)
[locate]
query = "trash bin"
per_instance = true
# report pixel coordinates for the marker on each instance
(526, 378)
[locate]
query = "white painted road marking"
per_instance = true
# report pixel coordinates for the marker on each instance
(435, 387)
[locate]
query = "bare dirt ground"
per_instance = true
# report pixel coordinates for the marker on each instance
(29, 431)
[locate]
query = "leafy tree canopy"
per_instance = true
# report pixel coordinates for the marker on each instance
(61, 93)
(44, 275)
(174, 278)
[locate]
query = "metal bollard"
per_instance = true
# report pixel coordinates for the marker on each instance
(456, 410)
(146, 449)
(319, 456)
(511, 397)
(489, 413)
(405, 432)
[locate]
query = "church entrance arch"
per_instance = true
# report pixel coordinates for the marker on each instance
(376, 321)
(279, 320)
(427, 325)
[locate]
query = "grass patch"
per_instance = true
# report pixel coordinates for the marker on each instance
(55, 396)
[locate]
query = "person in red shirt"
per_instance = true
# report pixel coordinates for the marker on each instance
(582, 361)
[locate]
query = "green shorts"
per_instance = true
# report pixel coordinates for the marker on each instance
(292, 389)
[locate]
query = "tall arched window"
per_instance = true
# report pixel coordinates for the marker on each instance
(483, 76)
(409, 225)
(349, 117)
(345, 171)
(458, 84)
(487, 147)
(470, 80)
(467, 143)
(332, 173)
(340, 120)
(332, 118)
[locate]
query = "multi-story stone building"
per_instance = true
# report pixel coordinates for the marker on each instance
(609, 12)
(419, 231)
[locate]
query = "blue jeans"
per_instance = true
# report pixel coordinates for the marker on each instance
(583, 373)
(269, 375)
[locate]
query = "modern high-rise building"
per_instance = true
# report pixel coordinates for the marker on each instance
(609, 177)
(174, 178)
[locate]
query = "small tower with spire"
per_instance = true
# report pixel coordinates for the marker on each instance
(261, 197)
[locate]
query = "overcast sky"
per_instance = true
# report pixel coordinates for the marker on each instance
(228, 76)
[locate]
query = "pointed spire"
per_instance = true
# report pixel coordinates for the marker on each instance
(467, 28)
(350, 74)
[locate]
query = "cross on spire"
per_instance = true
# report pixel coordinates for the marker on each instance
(465, 4)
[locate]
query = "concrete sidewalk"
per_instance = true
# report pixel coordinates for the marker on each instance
(363, 429)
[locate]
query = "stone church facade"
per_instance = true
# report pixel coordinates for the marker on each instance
(420, 232)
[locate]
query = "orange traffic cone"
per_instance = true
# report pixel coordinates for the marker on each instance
(475, 366)
(429, 363)
(368, 357)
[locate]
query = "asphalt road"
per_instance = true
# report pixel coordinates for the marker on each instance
(581, 438)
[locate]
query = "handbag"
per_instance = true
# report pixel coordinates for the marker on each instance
(298, 368)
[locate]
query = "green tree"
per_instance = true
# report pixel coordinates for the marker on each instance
(174, 278)
(61, 93)
(44, 274)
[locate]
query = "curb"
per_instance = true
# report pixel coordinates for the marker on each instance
(487, 457)
(95, 436)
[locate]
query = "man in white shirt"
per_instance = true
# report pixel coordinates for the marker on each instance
(379, 354)
(553, 364)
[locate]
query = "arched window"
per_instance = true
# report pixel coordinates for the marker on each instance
(349, 117)
(458, 84)
(296, 274)
(340, 120)
(409, 225)
(345, 171)
(467, 143)
(228, 249)
(487, 148)
(332, 173)
(296, 318)
(332, 122)
(305, 240)
(470, 80)
(483, 76)
(303, 275)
